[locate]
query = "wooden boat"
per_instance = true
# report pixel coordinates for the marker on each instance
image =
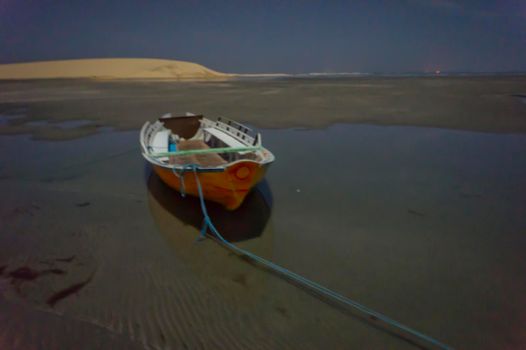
(228, 157)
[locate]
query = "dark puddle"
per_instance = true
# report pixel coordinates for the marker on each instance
(282, 311)
(68, 259)
(241, 279)
(64, 293)
(27, 274)
(416, 213)
(23, 274)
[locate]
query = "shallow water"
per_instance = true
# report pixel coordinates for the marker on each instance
(424, 225)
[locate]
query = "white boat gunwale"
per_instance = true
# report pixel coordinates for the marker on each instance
(226, 130)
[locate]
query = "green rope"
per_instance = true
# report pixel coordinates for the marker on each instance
(205, 151)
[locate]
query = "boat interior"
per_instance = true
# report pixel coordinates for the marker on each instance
(193, 132)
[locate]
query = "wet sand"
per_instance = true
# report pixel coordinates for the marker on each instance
(425, 225)
(489, 104)
(103, 220)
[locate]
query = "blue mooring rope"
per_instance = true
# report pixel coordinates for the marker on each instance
(207, 224)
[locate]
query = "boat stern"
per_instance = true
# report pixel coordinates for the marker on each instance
(228, 187)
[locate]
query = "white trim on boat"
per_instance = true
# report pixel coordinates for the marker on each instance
(154, 138)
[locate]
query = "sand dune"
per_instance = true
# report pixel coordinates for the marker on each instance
(112, 68)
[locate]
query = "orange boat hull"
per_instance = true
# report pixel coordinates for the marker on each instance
(228, 188)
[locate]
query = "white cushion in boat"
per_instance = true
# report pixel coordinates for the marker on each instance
(160, 141)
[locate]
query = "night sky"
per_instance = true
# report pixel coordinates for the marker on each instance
(274, 36)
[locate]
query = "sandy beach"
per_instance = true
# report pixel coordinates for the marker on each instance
(109, 68)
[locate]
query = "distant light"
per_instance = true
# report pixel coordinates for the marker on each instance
(437, 72)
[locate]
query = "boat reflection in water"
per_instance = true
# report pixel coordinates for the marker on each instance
(180, 220)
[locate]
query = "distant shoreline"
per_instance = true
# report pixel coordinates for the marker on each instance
(172, 70)
(483, 103)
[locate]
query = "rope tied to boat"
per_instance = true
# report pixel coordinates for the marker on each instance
(180, 175)
(373, 315)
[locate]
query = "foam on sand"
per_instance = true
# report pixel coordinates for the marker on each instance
(111, 68)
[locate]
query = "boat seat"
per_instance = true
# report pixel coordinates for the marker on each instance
(207, 159)
(225, 138)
